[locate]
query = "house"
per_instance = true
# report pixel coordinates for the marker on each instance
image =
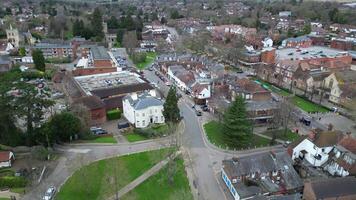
(331, 188)
(144, 109)
(342, 159)
(181, 78)
(301, 41)
(267, 173)
(316, 148)
(201, 92)
(13, 36)
(100, 58)
(6, 158)
(250, 90)
(341, 44)
(56, 49)
(342, 85)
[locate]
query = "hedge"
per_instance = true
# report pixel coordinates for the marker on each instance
(12, 181)
(113, 114)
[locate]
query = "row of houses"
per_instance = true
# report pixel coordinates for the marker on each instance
(278, 174)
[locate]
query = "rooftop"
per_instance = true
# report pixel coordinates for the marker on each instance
(107, 80)
(99, 53)
(143, 101)
(334, 187)
(308, 53)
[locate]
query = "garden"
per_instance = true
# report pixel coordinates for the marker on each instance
(151, 132)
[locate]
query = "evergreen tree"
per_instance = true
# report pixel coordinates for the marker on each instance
(97, 24)
(76, 29)
(113, 23)
(237, 128)
(120, 35)
(38, 60)
(170, 107)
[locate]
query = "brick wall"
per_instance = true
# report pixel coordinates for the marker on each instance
(98, 116)
(262, 96)
(268, 56)
(340, 44)
(103, 63)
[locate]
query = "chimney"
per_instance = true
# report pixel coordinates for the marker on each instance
(134, 96)
(153, 93)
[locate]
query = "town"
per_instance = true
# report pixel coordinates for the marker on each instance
(177, 99)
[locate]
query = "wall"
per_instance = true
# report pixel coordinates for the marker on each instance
(103, 63)
(312, 150)
(229, 185)
(340, 44)
(308, 193)
(91, 71)
(98, 116)
(144, 115)
(268, 56)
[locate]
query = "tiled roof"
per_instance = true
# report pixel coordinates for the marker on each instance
(334, 187)
(4, 156)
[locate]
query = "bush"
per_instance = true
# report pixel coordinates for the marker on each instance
(154, 131)
(12, 181)
(113, 114)
(58, 60)
(32, 74)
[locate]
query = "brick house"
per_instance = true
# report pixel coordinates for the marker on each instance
(341, 44)
(298, 42)
(56, 49)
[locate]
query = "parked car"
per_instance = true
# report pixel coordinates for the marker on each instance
(49, 194)
(205, 108)
(306, 121)
(198, 113)
(98, 131)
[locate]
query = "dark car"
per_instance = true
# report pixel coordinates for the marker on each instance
(306, 121)
(205, 108)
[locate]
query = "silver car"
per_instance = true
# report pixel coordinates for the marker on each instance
(49, 193)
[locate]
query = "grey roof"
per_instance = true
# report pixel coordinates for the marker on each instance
(53, 44)
(5, 60)
(264, 163)
(261, 105)
(334, 187)
(99, 53)
(144, 101)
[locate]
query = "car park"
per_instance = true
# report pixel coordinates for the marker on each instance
(49, 194)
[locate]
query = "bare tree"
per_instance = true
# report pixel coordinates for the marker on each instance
(130, 41)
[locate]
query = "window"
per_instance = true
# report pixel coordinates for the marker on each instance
(137, 123)
(162, 118)
(150, 111)
(143, 114)
(331, 83)
(156, 120)
(143, 122)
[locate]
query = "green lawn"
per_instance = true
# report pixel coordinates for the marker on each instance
(20, 190)
(308, 106)
(3, 198)
(159, 187)
(214, 133)
(135, 137)
(304, 104)
(290, 136)
(96, 181)
(96, 139)
(149, 60)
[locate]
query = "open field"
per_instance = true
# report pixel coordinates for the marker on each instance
(97, 180)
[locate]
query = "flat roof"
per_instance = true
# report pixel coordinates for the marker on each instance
(107, 80)
(99, 53)
(308, 53)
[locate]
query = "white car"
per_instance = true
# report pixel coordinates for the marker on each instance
(49, 193)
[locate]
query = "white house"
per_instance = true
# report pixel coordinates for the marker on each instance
(316, 151)
(343, 158)
(144, 109)
(6, 158)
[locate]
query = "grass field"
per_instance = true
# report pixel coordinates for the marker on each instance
(159, 187)
(96, 180)
(135, 137)
(3, 198)
(214, 133)
(290, 136)
(149, 60)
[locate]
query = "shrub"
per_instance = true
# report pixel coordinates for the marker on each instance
(113, 114)
(139, 57)
(12, 181)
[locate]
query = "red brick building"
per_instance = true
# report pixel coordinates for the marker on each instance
(341, 44)
(298, 42)
(268, 56)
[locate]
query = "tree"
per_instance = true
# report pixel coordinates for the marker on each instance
(64, 126)
(130, 41)
(237, 127)
(22, 51)
(77, 28)
(39, 60)
(163, 20)
(113, 23)
(120, 35)
(30, 105)
(306, 29)
(97, 24)
(170, 108)
(175, 14)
